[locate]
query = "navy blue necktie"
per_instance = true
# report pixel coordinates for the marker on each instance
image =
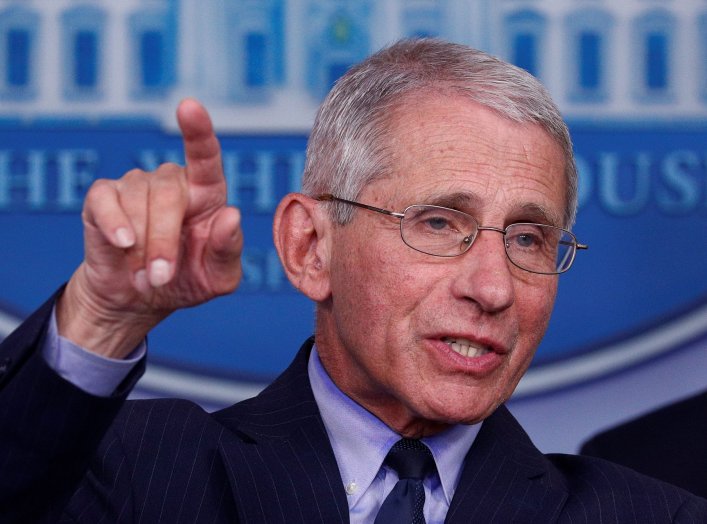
(413, 461)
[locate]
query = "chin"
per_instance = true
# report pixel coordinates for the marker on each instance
(451, 413)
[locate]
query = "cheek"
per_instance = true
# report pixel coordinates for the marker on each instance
(535, 305)
(374, 267)
(361, 286)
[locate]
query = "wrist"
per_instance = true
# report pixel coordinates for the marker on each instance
(97, 326)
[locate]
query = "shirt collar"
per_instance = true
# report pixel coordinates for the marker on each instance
(355, 433)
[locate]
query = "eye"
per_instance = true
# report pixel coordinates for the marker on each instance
(438, 223)
(525, 237)
(431, 219)
(525, 240)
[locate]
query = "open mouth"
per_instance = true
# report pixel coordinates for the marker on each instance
(466, 347)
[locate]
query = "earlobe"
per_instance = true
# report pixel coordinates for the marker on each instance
(301, 235)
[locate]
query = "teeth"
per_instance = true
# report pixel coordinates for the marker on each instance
(466, 347)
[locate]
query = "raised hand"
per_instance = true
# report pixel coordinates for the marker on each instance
(154, 242)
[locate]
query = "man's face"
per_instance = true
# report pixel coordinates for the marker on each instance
(388, 334)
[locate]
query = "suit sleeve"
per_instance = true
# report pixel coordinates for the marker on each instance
(49, 428)
(693, 511)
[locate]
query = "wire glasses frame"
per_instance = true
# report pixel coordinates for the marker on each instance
(445, 232)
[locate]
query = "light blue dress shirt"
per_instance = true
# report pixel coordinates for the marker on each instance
(361, 441)
(94, 374)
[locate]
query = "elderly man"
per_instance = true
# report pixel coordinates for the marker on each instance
(432, 227)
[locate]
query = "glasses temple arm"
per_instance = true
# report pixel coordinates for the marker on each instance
(577, 245)
(327, 197)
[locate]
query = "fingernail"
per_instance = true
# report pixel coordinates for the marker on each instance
(159, 272)
(141, 283)
(124, 237)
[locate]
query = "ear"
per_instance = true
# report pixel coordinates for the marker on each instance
(301, 232)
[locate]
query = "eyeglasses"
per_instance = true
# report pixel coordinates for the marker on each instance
(444, 232)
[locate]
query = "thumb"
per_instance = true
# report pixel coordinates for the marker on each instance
(222, 257)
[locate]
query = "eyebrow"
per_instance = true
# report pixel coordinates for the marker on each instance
(525, 211)
(460, 201)
(539, 214)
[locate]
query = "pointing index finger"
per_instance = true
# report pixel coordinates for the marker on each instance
(201, 147)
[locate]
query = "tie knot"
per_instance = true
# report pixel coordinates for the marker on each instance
(411, 459)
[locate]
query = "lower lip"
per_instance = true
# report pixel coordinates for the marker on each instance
(450, 359)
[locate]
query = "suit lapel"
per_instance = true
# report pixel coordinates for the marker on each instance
(505, 478)
(282, 467)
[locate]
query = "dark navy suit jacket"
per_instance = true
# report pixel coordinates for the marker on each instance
(66, 456)
(669, 443)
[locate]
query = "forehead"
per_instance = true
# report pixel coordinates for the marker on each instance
(448, 150)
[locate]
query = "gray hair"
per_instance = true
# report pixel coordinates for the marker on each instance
(347, 146)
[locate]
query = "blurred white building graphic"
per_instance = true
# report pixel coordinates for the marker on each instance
(264, 65)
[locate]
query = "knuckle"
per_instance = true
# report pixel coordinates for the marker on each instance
(169, 191)
(133, 181)
(168, 167)
(169, 173)
(99, 190)
(133, 174)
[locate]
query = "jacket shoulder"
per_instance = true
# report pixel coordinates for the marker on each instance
(675, 433)
(594, 484)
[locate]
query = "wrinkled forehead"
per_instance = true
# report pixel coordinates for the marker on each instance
(454, 152)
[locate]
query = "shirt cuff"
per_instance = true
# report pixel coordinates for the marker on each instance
(94, 374)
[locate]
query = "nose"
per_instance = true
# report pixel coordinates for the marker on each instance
(485, 275)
